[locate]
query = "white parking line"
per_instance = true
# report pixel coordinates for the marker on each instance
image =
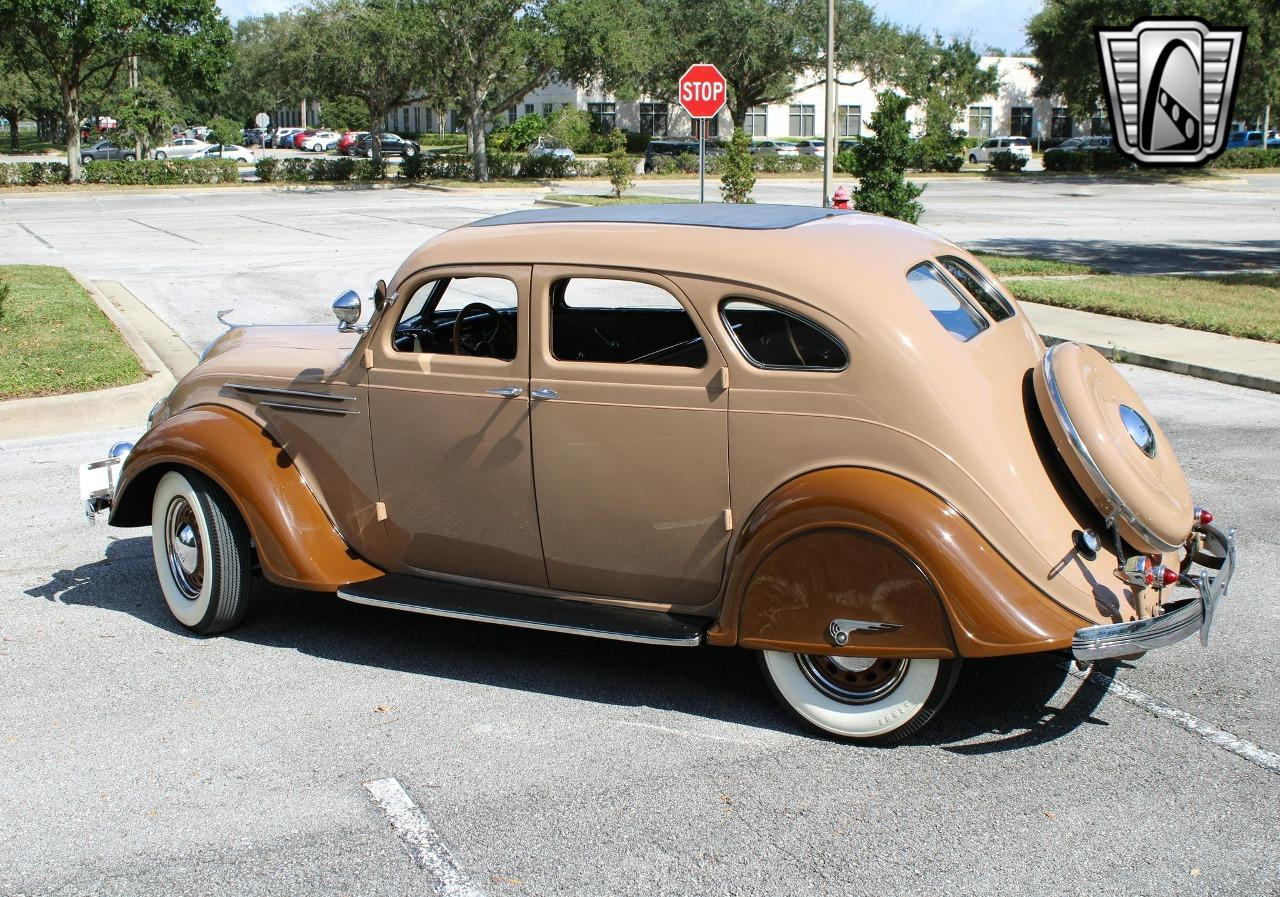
(1241, 747)
(413, 828)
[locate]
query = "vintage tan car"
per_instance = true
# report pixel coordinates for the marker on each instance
(826, 436)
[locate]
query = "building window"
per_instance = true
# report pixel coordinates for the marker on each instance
(756, 123)
(1020, 121)
(417, 119)
(604, 116)
(547, 109)
(979, 121)
(456, 124)
(528, 108)
(512, 114)
(653, 119)
(850, 121)
(1099, 124)
(1061, 127)
(802, 121)
(712, 126)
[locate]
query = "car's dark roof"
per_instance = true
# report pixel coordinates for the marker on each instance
(743, 217)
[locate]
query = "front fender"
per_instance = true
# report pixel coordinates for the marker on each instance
(296, 542)
(868, 546)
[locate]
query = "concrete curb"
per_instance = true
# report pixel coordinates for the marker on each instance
(1121, 355)
(558, 203)
(102, 409)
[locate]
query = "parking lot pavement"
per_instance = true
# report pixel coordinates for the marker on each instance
(137, 758)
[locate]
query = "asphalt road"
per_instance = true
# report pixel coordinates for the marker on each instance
(136, 758)
(140, 759)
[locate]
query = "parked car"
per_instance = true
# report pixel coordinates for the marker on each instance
(279, 137)
(827, 492)
(319, 141)
(106, 151)
(392, 145)
(1019, 146)
(774, 146)
(1071, 143)
(254, 136)
(814, 147)
(848, 145)
(550, 146)
(671, 148)
(348, 138)
(180, 148)
(1097, 144)
(1243, 139)
(228, 151)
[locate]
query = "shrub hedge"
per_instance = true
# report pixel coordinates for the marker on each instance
(1085, 160)
(1248, 157)
(32, 174)
(1007, 161)
(163, 171)
(769, 163)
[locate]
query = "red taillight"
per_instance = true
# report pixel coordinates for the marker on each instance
(1203, 517)
(1164, 576)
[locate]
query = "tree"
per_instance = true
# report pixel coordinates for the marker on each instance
(499, 50)
(146, 115)
(375, 51)
(1062, 39)
(738, 176)
(344, 113)
(620, 167)
(763, 46)
(882, 160)
(17, 96)
(944, 76)
(266, 62)
(85, 44)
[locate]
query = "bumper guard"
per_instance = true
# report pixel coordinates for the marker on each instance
(1179, 620)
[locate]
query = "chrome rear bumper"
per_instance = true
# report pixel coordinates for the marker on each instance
(1179, 620)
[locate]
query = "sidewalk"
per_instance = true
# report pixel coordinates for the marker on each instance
(1209, 356)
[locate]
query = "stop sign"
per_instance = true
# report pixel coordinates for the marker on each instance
(702, 90)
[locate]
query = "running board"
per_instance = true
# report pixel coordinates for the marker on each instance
(463, 602)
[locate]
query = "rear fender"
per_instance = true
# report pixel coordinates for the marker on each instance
(870, 547)
(297, 544)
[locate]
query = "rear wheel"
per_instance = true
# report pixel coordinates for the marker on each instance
(864, 699)
(973, 158)
(201, 550)
(161, 155)
(86, 159)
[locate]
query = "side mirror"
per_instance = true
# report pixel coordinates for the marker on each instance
(346, 308)
(380, 295)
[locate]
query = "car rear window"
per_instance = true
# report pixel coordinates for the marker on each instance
(781, 340)
(1019, 141)
(983, 291)
(944, 302)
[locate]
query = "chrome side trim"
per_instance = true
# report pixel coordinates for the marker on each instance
(280, 391)
(1184, 620)
(1091, 466)
(692, 641)
(315, 409)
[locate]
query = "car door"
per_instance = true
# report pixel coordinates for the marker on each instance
(450, 426)
(630, 437)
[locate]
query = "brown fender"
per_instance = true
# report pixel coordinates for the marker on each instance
(296, 543)
(865, 545)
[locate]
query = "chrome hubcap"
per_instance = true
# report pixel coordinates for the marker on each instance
(183, 549)
(853, 680)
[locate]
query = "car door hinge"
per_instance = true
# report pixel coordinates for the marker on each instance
(368, 359)
(722, 379)
(728, 520)
(380, 510)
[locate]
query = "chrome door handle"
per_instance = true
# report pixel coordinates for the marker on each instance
(507, 392)
(543, 392)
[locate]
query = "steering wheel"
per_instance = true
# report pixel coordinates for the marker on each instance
(476, 346)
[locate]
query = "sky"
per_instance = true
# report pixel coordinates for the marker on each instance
(997, 23)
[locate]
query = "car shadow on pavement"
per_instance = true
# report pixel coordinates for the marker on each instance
(1137, 258)
(1007, 697)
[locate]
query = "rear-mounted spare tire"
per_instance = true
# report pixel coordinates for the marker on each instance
(1114, 447)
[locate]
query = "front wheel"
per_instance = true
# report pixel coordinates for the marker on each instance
(85, 160)
(863, 699)
(201, 550)
(160, 155)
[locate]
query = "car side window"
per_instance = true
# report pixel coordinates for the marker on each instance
(945, 303)
(774, 339)
(622, 322)
(474, 316)
(983, 291)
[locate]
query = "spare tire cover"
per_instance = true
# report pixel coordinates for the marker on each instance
(1114, 447)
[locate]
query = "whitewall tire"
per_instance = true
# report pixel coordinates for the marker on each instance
(860, 699)
(201, 550)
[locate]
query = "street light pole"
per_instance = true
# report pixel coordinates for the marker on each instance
(829, 131)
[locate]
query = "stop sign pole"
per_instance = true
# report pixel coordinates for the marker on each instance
(702, 91)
